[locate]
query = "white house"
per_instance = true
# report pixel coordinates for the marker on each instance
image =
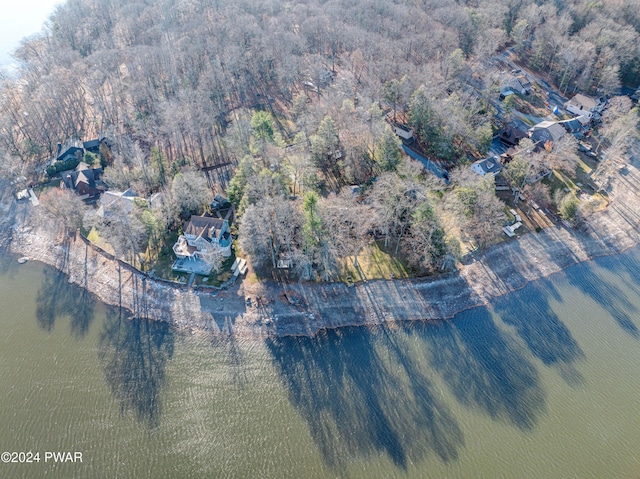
(583, 105)
(403, 131)
(204, 239)
(488, 166)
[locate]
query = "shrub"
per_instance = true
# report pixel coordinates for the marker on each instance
(59, 166)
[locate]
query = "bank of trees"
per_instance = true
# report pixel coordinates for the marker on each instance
(171, 75)
(410, 215)
(290, 100)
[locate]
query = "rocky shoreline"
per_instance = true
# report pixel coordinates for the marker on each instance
(305, 309)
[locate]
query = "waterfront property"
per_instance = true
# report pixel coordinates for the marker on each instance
(205, 242)
(84, 180)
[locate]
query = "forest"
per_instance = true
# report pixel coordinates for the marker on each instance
(286, 108)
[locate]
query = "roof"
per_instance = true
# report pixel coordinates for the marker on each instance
(69, 148)
(572, 125)
(547, 130)
(83, 173)
(110, 197)
(584, 120)
(583, 102)
(204, 226)
(524, 81)
(116, 202)
(487, 166)
(92, 144)
(520, 83)
(84, 177)
(512, 135)
(543, 124)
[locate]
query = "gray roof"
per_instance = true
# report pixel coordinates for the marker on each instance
(487, 166)
(547, 131)
(204, 226)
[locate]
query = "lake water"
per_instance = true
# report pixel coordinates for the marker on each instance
(543, 383)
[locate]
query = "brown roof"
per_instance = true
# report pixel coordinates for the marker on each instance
(204, 226)
(512, 135)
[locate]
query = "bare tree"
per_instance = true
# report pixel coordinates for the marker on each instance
(65, 205)
(190, 193)
(270, 229)
(425, 244)
(619, 126)
(538, 193)
(347, 225)
(563, 155)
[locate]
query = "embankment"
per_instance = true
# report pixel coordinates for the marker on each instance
(305, 309)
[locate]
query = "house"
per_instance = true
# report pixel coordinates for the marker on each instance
(546, 131)
(94, 145)
(71, 149)
(205, 239)
(505, 91)
(512, 136)
(520, 84)
(82, 180)
(574, 126)
(402, 131)
(115, 203)
(584, 121)
(488, 166)
(218, 202)
(583, 105)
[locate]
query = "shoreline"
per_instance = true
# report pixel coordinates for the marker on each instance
(501, 269)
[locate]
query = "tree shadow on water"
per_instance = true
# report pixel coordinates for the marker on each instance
(606, 292)
(359, 399)
(57, 298)
(546, 336)
(8, 263)
(485, 368)
(134, 353)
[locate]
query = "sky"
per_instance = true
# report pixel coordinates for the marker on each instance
(19, 19)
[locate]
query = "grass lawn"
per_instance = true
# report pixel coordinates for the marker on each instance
(530, 105)
(373, 263)
(559, 180)
(97, 240)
